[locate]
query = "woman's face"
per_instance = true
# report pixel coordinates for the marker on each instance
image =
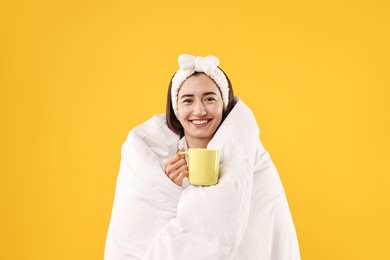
(200, 107)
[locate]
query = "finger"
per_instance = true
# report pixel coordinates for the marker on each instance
(181, 155)
(172, 160)
(175, 173)
(175, 158)
(179, 164)
(181, 176)
(170, 169)
(179, 179)
(185, 174)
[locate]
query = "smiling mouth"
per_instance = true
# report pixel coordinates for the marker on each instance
(202, 122)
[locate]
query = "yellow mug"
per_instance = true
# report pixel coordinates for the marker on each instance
(203, 166)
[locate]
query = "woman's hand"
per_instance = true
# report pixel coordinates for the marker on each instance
(176, 168)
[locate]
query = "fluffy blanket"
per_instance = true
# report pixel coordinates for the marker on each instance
(244, 216)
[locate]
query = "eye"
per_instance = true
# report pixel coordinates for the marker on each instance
(187, 101)
(210, 99)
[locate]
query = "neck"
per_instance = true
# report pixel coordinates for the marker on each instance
(197, 143)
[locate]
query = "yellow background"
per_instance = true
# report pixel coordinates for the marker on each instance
(76, 76)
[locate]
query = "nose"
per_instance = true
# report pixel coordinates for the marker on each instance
(199, 109)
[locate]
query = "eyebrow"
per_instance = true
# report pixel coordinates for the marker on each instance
(204, 94)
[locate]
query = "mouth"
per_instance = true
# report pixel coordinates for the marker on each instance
(200, 122)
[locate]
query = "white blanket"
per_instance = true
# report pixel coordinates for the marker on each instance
(244, 216)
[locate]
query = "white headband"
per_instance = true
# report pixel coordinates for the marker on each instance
(189, 65)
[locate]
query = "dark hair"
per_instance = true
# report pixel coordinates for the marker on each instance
(174, 123)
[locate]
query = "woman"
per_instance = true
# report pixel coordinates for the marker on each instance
(157, 215)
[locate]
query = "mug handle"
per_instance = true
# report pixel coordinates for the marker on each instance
(186, 153)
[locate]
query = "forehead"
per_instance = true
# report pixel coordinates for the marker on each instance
(198, 84)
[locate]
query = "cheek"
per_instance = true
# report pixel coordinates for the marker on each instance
(182, 113)
(219, 111)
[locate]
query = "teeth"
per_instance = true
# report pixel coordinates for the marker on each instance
(199, 122)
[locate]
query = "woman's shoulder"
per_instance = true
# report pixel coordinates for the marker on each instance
(156, 134)
(150, 126)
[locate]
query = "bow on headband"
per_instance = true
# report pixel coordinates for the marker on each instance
(198, 64)
(189, 65)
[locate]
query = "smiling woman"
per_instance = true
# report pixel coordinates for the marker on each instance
(157, 215)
